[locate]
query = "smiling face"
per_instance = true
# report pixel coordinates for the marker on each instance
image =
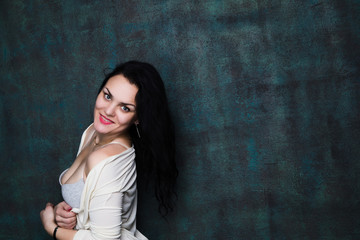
(115, 107)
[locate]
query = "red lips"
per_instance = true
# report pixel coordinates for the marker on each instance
(104, 120)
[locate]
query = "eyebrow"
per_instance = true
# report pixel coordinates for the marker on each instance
(123, 103)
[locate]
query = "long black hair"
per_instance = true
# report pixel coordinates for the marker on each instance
(155, 148)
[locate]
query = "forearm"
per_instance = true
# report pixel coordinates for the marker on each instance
(65, 234)
(61, 233)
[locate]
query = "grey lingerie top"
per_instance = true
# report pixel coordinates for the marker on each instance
(71, 192)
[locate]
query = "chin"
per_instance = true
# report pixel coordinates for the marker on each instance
(100, 128)
(107, 129)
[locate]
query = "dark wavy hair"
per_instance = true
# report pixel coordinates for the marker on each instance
(155, 148)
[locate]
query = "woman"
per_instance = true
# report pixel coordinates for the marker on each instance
(131, 116)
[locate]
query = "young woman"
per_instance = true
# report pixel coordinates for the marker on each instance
(131, 116)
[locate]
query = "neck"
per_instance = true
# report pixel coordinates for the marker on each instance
(102, 139)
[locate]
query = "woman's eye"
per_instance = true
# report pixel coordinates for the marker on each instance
(126, 109)
(107, 96)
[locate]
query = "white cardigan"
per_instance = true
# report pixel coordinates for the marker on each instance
(109, 200)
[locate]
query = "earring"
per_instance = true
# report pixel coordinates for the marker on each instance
(136, 125)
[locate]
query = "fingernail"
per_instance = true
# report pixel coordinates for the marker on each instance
(69, 209)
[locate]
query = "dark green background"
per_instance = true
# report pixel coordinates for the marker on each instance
(264, 94)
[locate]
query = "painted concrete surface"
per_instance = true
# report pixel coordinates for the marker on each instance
(264, 95)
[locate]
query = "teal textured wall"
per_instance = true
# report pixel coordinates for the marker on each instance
(264, 94)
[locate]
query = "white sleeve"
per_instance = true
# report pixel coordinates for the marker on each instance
(103, 198)
(105, 218)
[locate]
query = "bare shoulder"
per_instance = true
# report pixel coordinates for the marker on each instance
(101, 154)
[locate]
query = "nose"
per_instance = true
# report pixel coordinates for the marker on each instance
(110, 110)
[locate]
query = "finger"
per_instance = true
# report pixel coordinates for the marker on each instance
(67, 224)
(49, 205)
(63, 209)
(65, 220)
(65, 214)
(70, 214)
(66, 206)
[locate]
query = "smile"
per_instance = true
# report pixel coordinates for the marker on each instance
(104, 120)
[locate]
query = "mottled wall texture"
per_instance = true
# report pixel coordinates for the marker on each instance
(265, 97)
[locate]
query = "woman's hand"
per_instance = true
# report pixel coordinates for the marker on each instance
(64, 217)
(48, 218)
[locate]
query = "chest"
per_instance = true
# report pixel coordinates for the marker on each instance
(76, 170)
